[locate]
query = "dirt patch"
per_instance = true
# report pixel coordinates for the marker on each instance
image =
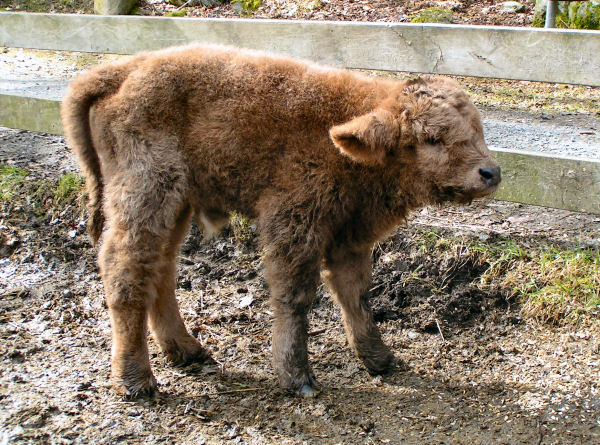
(486, 12)
(472, 370)
(426, 291)
(474, 12)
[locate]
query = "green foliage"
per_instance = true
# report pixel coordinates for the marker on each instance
(24, 192)
(584, 15)
(243, 231)
(575, 15)
(433, 15)
(12, 180)
(69, 188)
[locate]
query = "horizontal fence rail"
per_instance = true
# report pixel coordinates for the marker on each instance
(561, 56)
(547, 180)
(549, 55)
(561, 182)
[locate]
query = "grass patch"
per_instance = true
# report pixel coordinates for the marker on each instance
(516, 95)
(241, 228)
(12, 180)
(565, 285)
(63, 6)
(70, 188)
(533, 96)
(246, 5)
(553, 285)
(23, 192)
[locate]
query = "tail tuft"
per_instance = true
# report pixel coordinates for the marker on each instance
(75, 110)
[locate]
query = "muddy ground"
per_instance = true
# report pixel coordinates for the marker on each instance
(474, 371)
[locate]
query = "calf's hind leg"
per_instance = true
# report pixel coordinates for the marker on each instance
(127, 264)
(143, 201)
(348, 275)
(166, 324)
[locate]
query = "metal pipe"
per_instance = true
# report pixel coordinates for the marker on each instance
(551, 9)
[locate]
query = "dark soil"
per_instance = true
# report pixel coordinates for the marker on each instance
(474, 12)
(471, 370)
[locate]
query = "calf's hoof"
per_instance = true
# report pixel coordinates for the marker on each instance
(308, 391)
(136, 387)
(186, 352)
(304, 385)
(379, 364)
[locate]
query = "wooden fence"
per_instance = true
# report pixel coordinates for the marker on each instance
(550, 55)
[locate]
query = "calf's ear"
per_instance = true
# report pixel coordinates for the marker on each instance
(367, 138)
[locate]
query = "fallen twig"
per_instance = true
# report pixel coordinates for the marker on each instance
(440, 330)
(184, 5)
(231, 391)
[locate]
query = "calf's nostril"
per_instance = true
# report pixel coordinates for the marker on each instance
(491, 176)
(486, 173)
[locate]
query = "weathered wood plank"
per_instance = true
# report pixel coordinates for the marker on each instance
(530, 178)
(549, 180)
(30, 113)
(551, 55)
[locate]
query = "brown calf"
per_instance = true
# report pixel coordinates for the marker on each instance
(326, 160)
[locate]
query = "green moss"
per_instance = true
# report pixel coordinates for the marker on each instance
(246, 5)
(180, 13)
(433, 15)
(12, 180)
(309, 5)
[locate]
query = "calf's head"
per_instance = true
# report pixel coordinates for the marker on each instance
(429, 134)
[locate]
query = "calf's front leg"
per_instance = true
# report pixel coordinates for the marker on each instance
(348, 275)
(291, 297)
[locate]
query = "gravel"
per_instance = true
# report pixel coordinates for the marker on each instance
(566, 134)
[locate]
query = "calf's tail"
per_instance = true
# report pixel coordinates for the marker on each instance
(75, 113)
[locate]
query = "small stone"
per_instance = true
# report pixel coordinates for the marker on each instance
(512, 7)
(413, 335)
(246, 301)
